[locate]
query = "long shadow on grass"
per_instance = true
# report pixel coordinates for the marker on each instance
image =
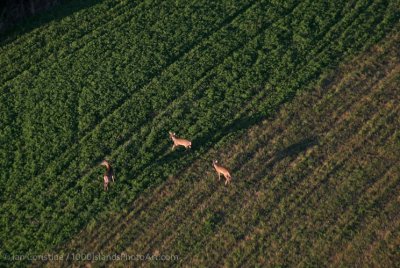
(295, 149)
(291, 151)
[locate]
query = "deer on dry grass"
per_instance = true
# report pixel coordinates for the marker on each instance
(108, 175)
(221, 170)
(179, 142)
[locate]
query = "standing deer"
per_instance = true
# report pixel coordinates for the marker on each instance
(179, 142)
(221, 170)
(109, 175)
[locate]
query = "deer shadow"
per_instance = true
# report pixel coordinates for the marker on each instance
(296, 148)
(292, 150)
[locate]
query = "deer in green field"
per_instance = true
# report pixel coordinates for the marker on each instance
(179, 142)
(108, 175)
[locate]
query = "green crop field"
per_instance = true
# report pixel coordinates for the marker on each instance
(299, 99)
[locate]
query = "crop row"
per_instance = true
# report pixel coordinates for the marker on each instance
(95, 92)
(37, 45)
(210, 86)
(36, 185)
(116, 124)
(190, 204)
(216, 203)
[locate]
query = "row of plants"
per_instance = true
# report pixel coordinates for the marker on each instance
(50, 185)
(48, 40)
(203, 82)
(194, 229)
(188, 240)
(71, 82)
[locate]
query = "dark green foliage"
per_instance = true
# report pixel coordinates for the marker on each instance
(112, 80)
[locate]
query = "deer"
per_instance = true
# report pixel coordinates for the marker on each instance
(179, 142)
(221, 170)
(108, 175)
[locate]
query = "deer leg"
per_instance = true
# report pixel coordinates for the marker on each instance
(173, 147)
(219, 176)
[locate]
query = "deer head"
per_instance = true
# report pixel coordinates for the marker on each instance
(172, 134)
(105, 163)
